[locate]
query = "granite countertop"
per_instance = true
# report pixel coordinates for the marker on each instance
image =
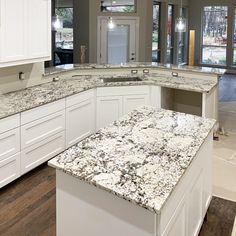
(140, 157)
(19, 101)
(71, 67)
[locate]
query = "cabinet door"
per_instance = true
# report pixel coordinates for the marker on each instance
(109, 109)
(39, 28)
(9, 169)
(80, 121)
(133, 101)
(12, 30)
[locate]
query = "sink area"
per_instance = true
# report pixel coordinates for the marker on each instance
(121, 79)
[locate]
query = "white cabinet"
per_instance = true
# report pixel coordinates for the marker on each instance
(42, 134)
(12, 30)
(109, 109)
(41, 152)
(25, 31)
(39, 33)
(9, 149)
(80, 117)
(131, 102)
(114, 102)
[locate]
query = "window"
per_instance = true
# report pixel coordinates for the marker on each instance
(214, 35)
(118, 6)
(156, 32)
(170, 34)
(182, 39)
(64, 36)
(234, 37)
(63, 53)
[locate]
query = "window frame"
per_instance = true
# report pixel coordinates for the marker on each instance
(121, 12)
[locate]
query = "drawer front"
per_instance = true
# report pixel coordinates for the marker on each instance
(78, 98)
(121, 91)
(9, 123)
(42, 111)
(41, 129)
(80, 122)
(9, 169)
(42, 152)
(9, 143)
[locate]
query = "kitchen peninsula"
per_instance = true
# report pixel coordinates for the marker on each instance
(39, 122)
(147, 174)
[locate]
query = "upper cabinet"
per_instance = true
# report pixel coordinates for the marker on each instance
(25, 31)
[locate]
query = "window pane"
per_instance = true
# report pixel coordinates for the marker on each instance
(64, 37)
(234, 62)
(118, 6)
(156, 32)
(214, 31)
(215, 26)
(169, 56)
(214, 55)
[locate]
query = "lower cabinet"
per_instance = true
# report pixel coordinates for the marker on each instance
(41, 152)
(80, 118)
(9, 169)
(112, 103)
(109, 109)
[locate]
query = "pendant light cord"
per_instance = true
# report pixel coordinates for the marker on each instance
(181, 8)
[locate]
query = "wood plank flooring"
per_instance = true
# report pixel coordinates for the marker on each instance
(28, 208)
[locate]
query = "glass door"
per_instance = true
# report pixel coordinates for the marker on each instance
(118, 45)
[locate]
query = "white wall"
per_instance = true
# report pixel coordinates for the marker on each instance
(9, 80)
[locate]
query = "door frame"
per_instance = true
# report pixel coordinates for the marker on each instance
(99, 25)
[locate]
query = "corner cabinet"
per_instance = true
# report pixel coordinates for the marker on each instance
(114, 102)
(25, 31)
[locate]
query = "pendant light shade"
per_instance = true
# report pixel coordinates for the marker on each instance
(110, 23)
(180, 25)
(57, 23)
(181, 22)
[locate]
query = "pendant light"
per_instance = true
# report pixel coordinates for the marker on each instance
(57, 21)
(181, 22)
(110, 23)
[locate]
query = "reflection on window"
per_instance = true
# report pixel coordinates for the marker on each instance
(156, 32)
(118, 6)
(169, 56)
(214, 31)
(182, 37)
(64, 36)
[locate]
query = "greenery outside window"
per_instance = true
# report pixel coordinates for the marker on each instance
(118, 6)
(156, 32)
(214, 35)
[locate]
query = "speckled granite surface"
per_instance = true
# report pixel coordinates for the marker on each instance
(71, 67)
(140, 157)
(15, 102)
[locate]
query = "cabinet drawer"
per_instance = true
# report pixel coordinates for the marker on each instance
(42, 111)
(9, 143)
(41, 152)
(80, 121)
(78, 98)
(9, 169)
(9, 123)
(121, 91)
(38, 130)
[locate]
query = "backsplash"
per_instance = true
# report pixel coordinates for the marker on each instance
(9, 77)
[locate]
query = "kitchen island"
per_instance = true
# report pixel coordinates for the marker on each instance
(149, 173)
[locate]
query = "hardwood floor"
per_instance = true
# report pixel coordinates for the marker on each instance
(27, 208)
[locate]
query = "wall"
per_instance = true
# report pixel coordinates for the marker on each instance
(195, 11)
(9, 80)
